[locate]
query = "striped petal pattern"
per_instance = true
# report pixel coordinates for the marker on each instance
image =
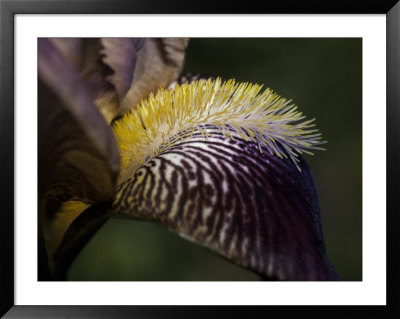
(225, 190)
(254, 208)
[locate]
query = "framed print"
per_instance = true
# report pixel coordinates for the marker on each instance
(165, 156)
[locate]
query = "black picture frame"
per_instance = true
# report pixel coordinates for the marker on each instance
(8, 10)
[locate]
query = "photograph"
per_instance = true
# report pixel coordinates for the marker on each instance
(186, 160)
(200, 159)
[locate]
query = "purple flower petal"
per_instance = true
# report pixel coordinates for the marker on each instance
(256, 209)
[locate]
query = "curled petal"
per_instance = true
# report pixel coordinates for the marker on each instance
(109, 75)
(107, 66)
(159, 63)
(79, 232)
(120, 55)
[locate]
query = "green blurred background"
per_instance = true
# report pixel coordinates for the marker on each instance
(323, 76)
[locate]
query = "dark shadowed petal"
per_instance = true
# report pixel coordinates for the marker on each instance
(78, 156)
(254, 208)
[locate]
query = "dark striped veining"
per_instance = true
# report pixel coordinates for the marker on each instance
(254, 208)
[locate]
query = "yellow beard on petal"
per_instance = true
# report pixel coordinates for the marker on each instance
(268, 119)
